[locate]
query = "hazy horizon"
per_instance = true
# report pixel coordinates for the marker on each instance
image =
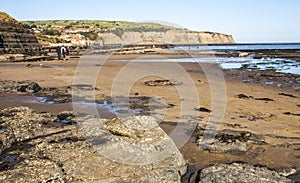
(249, 21)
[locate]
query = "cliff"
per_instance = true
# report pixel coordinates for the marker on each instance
(163, 37)
(215, 38)
(84, 32)
(14, 38)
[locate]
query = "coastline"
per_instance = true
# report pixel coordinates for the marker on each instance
(270, 119)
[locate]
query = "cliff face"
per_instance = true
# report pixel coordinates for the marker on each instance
(14, 38)
(215, 38)
(167, 37)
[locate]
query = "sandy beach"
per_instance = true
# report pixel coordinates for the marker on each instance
(267, 111)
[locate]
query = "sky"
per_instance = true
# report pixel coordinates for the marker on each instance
(246, 20)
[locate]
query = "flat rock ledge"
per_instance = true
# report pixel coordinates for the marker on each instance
(42, 147)
(240, 173)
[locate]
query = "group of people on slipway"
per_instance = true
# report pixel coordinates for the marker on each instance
(62, 52)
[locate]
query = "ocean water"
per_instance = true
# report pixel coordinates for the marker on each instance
(241, 47)
(247, 63)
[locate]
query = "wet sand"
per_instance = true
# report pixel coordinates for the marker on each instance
(275, 119)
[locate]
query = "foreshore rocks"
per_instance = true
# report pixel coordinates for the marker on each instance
(227, 141)
(40, 147)
(19, 86)
(267, 77)
(240, 172)
(164, 82)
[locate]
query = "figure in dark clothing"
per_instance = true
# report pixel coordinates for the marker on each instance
(58, 51)
(68, 51)
(63, 52)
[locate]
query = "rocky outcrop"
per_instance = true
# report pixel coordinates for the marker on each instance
(15, 39)
(19, 86)
(41, 147)
(227, 141)
(240, 172)
(163, 37)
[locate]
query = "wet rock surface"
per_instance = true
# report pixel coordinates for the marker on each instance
(37, 147)
(226, 141)
(161, 83)
(267, 77)
(240, 172)
(19, 86)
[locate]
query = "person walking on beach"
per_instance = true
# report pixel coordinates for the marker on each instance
(67, 52)
(63, 52)
(58, 51)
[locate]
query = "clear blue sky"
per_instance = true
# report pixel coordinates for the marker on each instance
(246, 20)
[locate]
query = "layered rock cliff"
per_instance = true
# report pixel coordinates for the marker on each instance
(164, 37)
(14, 38)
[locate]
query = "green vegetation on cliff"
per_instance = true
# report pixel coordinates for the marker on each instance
(6, 18)
(67, 31)
(101, 25)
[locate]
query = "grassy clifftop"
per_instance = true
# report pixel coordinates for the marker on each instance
(100, 25)
(7, 18)
(66, 31)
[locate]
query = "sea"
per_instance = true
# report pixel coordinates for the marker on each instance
(249, 62)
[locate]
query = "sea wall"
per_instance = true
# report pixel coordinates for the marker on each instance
(164, 37)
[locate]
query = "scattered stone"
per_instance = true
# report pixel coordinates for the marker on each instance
(44, 66)
(290, 113)
(287, 95)
(66, 117)
(243, 96)
(29, 65)
(257, 116)
(280, 85)
(239, 126)
(203, 109)
(243, 54)
(264, 99)
(161, 83)
(237, 172)
(246, 81)
(82, 87)
(269, 83)
(171, 105)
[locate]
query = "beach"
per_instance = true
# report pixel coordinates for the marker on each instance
(270, 114)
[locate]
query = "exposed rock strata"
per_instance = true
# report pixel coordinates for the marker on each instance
(40, 147)
(164, 37)
(15, 39)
